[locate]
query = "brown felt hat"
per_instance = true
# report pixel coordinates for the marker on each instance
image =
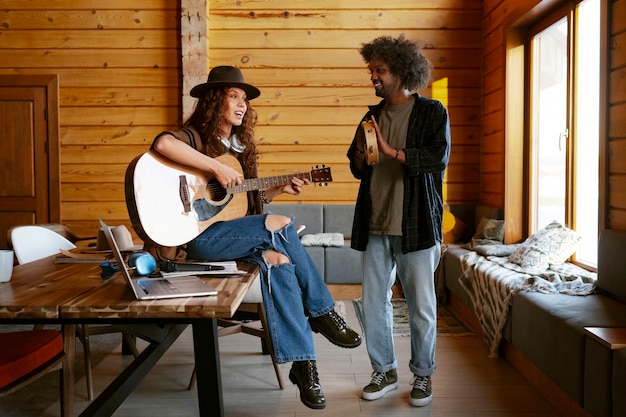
(225, 76)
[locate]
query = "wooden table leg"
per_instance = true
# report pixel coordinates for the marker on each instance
(209, 377)
(67, 377)
(112, 397)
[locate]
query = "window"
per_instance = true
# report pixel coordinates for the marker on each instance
(564, 140)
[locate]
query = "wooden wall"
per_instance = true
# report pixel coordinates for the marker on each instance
(118, 64)
(616, 152)
(315, 87)
(119, 67)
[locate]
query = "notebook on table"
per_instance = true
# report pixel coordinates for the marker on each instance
(154, 288)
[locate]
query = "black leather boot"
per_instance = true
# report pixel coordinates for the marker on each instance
(304, 375)
(335, 329)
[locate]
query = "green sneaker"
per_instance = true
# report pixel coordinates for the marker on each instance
(422, 392)
(382, 383)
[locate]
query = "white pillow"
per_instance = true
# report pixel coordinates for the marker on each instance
(551, 245)
(322, 239)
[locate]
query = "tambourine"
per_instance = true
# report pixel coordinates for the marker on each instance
(371, 145)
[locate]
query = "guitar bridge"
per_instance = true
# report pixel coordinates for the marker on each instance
(183, 192)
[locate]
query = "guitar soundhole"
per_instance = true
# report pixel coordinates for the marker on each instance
(205, 210)
(215, 191)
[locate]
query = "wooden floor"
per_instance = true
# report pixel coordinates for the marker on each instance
(467, 383)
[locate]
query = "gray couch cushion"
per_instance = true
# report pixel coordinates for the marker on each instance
(451, 264)
(343, 265)
(337, 265)
(309, 215)
(611, 274)
(317, 256)
(558, 321)
(338, 219)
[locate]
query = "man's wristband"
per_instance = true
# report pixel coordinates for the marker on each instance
(396, 157)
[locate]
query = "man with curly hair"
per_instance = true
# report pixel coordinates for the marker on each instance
(399, 209)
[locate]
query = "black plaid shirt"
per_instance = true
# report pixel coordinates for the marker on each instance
(427, 152)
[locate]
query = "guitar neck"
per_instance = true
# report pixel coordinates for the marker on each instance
(264, 183)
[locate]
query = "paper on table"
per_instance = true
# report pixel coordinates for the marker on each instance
(70, 257)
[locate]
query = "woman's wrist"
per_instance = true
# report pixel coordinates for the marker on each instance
(263, 197)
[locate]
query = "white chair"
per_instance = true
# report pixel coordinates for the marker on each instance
(33, 242)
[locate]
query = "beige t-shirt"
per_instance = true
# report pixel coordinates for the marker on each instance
(387, 187)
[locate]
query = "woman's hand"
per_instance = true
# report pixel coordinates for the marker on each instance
(293, 188)
(226, 176)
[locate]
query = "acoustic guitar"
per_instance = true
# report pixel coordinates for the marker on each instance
(371, 145)
(170, 204)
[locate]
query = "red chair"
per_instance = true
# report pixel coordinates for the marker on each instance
(32, 242)
(26, 356)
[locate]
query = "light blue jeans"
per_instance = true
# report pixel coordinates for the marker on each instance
(382, 258)
(291, 291)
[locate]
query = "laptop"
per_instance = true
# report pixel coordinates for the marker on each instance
(155, 288)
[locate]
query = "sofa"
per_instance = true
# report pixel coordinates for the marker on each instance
(337, 263)
(548, 329)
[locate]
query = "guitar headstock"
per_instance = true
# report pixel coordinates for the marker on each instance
(321, 175)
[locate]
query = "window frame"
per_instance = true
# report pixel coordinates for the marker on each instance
(517, 170)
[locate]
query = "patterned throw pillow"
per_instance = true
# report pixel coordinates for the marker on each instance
(491, 229)
(551, 245)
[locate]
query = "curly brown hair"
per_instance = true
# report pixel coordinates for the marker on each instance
(206, 119)
(404, 58)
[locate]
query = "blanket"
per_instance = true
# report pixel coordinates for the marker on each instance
(492, 281)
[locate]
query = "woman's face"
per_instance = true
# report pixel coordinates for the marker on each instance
(235, 109)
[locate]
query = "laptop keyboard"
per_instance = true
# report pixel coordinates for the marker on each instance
(158, 286)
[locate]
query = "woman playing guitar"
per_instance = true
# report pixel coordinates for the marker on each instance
(223, 123)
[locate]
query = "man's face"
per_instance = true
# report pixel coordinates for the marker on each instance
(385, 83)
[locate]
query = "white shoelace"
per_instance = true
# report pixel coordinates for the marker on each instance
(420, 382)
(378, 377)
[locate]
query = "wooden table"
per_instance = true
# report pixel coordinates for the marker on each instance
(68, 294)
(611, 337)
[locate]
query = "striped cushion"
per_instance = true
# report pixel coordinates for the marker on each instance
(23, 352)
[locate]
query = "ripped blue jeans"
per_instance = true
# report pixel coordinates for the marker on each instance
(291, 291)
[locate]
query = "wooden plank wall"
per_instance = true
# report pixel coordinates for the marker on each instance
(616, 183)
(119, 82)
(304, 57)
(499, 13)
(119, 67)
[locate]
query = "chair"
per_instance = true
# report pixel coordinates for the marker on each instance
(252, 304)
(33, 242)
(26, 356)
